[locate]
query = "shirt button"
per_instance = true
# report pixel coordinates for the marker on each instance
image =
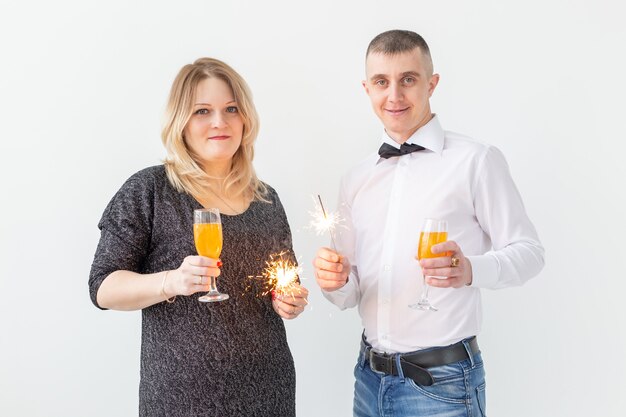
(387, 267)
(384, 337)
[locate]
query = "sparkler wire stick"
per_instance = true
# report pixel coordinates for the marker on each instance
(331, 227)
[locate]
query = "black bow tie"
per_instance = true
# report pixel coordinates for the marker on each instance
(388, 151)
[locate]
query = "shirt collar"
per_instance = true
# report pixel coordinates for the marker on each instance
(430, 136)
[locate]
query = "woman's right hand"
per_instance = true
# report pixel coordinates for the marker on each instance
(192, 276)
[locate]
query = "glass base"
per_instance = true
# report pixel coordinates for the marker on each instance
(423, 305)
(211, 297)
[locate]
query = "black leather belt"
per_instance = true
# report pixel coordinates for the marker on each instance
(414, 365)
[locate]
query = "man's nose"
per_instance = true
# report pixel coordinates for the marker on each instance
(395, 92)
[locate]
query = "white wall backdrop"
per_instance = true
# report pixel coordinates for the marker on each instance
(82, 88)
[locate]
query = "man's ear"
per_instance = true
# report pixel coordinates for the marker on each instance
(434, 80)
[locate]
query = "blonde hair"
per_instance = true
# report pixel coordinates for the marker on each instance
(183, 170)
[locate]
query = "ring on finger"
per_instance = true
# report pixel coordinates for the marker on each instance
(454, 262)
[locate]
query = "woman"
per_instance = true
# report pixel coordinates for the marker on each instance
(228, 358)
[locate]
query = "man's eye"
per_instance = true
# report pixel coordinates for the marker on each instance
(381, 83)
(232, 109)
(408, 80)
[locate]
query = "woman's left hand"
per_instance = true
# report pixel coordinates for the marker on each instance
(290, 305)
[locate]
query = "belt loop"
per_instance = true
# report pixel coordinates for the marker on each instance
(364, 354)
(468, 349)
(397, 358)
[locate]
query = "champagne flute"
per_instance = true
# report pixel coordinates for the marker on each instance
(207, 234)
(434, 231)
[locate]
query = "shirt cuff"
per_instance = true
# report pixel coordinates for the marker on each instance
(345, 290)
(340, 296)
(485, 271)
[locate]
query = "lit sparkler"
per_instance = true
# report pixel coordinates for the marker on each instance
(281, 275)
(324, 221)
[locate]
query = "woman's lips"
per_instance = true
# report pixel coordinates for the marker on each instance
(219, 137)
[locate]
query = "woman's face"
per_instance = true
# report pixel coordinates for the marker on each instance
(215, 129)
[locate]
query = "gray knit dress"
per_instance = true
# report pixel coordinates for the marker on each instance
(228, 358)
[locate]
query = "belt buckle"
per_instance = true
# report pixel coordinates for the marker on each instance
(381, 362)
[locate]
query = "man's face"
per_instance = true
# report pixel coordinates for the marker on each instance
(400, 87)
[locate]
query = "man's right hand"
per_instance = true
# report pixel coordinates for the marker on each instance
(331, 269)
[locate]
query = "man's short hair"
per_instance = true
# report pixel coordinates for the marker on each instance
(397, 41)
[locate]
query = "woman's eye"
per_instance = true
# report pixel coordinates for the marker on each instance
(202, 111)
(232, 109)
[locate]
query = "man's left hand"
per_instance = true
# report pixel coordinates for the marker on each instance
(457, 276)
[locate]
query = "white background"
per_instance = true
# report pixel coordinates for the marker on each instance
(82, 90)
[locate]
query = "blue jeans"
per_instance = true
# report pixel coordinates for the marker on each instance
(459, 390)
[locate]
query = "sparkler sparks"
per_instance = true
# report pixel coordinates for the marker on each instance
(324, 221)
(281, 275)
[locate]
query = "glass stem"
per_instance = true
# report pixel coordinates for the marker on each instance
(425, 291)
(212, 286)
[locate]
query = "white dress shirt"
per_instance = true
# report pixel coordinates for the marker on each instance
(383, 203)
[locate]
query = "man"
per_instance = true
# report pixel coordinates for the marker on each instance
(414, 362)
